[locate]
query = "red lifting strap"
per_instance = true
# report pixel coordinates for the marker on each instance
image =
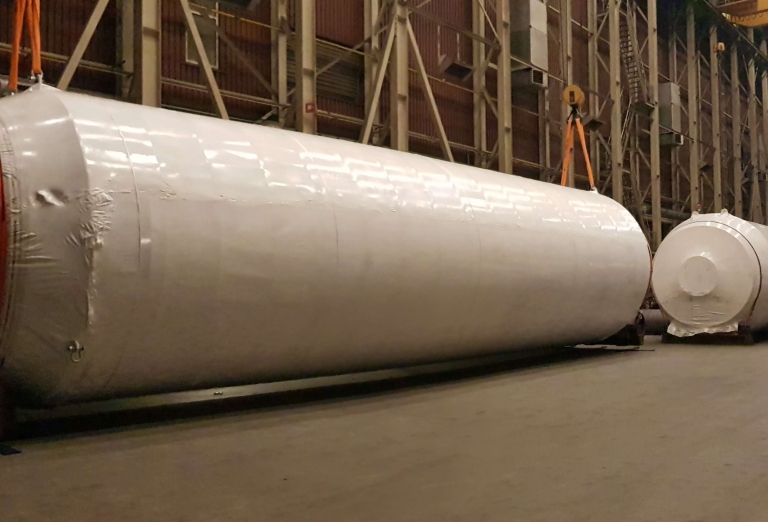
(29, 9)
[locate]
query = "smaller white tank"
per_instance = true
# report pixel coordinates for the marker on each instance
(708, 275)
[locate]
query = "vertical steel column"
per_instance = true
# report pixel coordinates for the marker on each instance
(736, 123)
(566, 47)
(504, 86)
(764, 155)
(479, 82)
(146, 87)
(653, 93)
(594, 83)
(545, 135)
(714, 75)
(545, 155)
(399, 80)
(755, 207)
(279, 18)
(617, 154)
(675, 154)
(693, 110)
(306, 94)
(126, 44)
(372, 46)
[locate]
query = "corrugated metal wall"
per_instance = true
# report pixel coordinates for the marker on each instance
(341, 22)
(455, 104)
(232, 75)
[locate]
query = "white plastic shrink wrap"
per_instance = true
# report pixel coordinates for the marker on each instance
(708, 275)
(167, 251)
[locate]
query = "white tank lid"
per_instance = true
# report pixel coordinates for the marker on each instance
(706, 277)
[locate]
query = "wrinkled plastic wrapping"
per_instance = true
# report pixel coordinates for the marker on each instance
(708, 275)
(165, 251)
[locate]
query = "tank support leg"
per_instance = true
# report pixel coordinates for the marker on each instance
(630, 335)
(7, 415)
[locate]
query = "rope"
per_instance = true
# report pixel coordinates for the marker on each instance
(29, 9)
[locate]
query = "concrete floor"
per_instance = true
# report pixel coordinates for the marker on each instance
(676, 434)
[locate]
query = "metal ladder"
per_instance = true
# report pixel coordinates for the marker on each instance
(630, 59)
(637, 94)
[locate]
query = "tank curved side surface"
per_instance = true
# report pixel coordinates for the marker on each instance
(166, 251)
(708, 275)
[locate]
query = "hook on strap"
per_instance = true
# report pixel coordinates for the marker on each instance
(28, 10)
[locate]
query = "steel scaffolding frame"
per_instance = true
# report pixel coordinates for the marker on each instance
(721, 71)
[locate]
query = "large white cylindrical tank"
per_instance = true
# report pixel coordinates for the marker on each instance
(708, 275)
(167, 251)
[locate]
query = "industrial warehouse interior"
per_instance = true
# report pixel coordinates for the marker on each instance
(383, 260)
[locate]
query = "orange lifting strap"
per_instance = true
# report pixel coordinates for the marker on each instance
(30, 8)
(574, 97)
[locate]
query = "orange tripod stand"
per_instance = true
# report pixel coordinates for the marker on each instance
(574, 97)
